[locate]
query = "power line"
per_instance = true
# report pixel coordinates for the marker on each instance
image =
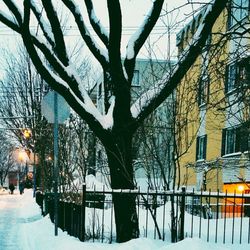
(2, 128)
(126, 30)
(16, 117)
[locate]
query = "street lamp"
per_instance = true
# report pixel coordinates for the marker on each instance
(27, 133)
(22, 158)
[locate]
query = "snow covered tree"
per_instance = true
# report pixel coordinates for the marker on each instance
(22, 90)
(7, 162)
(115, 128)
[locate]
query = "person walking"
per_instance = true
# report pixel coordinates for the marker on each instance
(21, 187)
(11, 188)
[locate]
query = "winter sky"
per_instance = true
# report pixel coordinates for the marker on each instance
(134, 11)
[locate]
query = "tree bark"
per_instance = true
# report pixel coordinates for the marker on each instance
(121, 172)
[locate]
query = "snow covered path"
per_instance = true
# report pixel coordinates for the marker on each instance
(12, 222)
(10, 226)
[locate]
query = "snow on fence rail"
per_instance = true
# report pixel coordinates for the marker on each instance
(167, 215)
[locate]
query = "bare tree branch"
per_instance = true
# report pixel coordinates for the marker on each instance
(96, 24)
(60, 47)
(41, 22)
(98, 52)
(115, 22)
(57, 84)
(10, 23)
(138, 39)
(14, 9)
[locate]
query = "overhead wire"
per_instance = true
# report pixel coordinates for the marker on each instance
(126, 30)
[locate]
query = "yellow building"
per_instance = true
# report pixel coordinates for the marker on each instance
(213, 103)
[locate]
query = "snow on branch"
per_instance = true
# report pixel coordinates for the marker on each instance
(139, 37)
(197, 35)
(67, 76)
(145, 99)
(130, 50)
(106, 121)
(63, 78)
(9, 21)
(56, 80)
(83, 100)
(100, 54)
(60, 48)
(156, 95)
(42, 23)
(96, 23)
(15, 10)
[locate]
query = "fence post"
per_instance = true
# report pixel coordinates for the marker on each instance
(83, 208)
(182, 213)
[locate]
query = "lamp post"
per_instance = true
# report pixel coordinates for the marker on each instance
(27, 135)
(34, 176)
(22, 158)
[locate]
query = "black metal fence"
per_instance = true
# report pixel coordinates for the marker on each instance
(165, 215)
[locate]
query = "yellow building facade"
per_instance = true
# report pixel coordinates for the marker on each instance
(213, 125)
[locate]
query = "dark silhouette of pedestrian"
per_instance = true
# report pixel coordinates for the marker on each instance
(12, 188)
(21, 187)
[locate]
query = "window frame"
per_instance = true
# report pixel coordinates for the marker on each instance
(201, 147)
(236, 73)
(230, 141)
(234, 140)
(236, 6)
(231, 75)
(203, 91)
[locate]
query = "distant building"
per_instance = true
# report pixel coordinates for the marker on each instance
(12, 178)
(146, 73)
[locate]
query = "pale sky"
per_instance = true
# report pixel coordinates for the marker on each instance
(134, 12)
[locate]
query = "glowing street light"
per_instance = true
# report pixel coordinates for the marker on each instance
(22, 156)
(27, 133)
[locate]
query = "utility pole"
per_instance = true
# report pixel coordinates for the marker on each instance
(56, 162)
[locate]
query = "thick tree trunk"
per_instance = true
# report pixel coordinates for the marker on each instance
(120, 164)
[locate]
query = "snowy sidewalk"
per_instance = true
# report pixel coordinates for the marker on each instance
(10, 227)
(23, 228)
(14, 214)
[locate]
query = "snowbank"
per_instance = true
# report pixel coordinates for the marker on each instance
(38, 234)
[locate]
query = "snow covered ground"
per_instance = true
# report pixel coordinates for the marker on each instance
(22, 227)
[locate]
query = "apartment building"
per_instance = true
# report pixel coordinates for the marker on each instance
(214, 103)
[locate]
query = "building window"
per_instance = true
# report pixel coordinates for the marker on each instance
(242, 73)
(203, 91)
(234, 140)
(201, 147)
(136, 80)
(236, 75)
(238, 10)
(230, 81)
